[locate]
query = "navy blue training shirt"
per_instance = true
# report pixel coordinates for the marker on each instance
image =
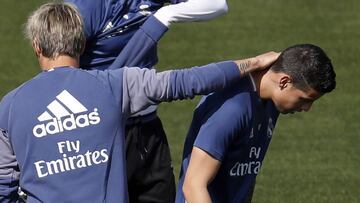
(235, 127)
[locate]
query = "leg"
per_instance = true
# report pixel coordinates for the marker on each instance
(150, 173)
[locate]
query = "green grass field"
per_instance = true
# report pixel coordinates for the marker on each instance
(315, 156)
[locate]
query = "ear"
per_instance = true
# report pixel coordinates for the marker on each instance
(36, 48)
(284, 81)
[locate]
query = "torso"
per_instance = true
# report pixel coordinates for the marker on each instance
(248, 123)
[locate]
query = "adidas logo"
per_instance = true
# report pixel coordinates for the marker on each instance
(60, 116)
(108, 26)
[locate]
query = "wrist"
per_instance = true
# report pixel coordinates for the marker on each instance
(247, 66)
(164, 15)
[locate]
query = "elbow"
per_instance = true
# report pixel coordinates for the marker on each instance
(192, 189)
(221, 7)
(187, 189)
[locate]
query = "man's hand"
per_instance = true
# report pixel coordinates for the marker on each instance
(265, 60)
(256, 63)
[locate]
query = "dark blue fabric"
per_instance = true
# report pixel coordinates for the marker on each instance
(8, 190)
(94, 175)
(71, 148)
(235, 127)
(105, 42)
(140, 51)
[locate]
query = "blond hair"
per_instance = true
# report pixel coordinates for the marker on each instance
(56, 29)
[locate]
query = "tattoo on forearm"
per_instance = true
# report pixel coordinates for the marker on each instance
(244, 66)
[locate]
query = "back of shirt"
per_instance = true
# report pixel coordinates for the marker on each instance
(65, 127)
(235, 127)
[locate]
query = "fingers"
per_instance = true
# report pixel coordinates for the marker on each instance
(266, 59)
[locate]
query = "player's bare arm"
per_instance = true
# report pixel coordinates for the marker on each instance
(259, 62)
(202, 169)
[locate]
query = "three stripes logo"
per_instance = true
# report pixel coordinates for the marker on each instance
(64, 113)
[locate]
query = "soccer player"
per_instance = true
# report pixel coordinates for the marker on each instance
(231, 129)
(109, 25)
(63, 130)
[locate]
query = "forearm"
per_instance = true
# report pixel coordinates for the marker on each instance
(192, 10)
(195, 193)
(9, 173)
(256, 63)
(143, 87)
(140, 45)
(188, 83)
(246, 66)
(136, 50)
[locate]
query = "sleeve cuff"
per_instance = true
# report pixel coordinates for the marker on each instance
(213, 153)
(230, 69)
(154, 28)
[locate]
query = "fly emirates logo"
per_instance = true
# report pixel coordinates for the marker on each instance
(250, 167)
(68, 114)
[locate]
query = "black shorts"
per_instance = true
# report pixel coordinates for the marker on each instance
(148, 162)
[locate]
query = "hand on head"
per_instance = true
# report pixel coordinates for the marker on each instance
(257, 63)
(265, 60)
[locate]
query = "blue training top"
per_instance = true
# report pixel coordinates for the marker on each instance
(235, 127)
(68, 144)
(110, 24)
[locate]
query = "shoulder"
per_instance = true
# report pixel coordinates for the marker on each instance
(93, 13)
(224, 114)
(12, 94)
(105, 74)
(85, 7)
(222, 124)
(7, 99)
(232, 103)
(5, 106)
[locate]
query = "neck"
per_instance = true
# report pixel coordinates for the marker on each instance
(59, 61)
(261, 79)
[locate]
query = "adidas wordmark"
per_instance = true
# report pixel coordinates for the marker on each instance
(68, 114)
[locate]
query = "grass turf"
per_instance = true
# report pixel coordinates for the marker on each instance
(314, 157)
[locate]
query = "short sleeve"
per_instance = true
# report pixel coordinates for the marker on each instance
(221, 128)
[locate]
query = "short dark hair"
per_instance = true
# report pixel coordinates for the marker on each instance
(309, 66)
